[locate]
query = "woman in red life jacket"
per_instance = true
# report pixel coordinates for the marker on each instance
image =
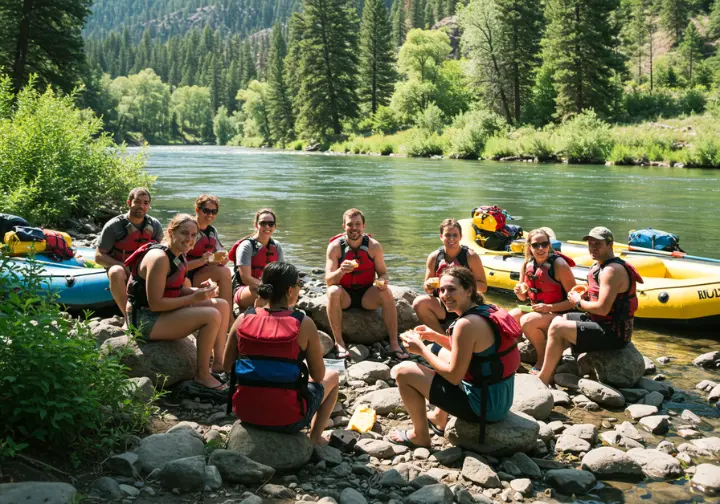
(546, 278)
(275, 357)
(250, 256)
(161, 307)
(473, 365)
(207, 260)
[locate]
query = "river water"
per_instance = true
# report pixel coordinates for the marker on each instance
(404, 201)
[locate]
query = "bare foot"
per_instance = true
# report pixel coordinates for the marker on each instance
(341, 351)
(323, 441)
(209, 382)
(439, 421)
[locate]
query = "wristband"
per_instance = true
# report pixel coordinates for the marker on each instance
(578, 305)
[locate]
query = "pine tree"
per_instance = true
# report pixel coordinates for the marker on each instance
(579, 49)
(248, 72)
(691, 49)
(296, 29)
(398, 23)
(674, 16)
(376, 71)
(328, 67)
(282, 120)
(232, 85)
(714, 24)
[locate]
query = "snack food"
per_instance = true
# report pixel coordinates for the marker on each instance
(218, 256)
(405, 336)
(362, 419)
(379, 283)
(433, 282)
(580, 289)
(354, 264)
(523, 287)
(525, 308)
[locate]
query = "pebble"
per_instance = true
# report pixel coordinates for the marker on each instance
(689, 416)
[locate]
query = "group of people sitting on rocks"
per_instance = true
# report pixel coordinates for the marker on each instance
(169, 287)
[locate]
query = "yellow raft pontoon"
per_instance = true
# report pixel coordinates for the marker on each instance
(675, 288)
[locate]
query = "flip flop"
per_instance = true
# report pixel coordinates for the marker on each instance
(341, 354)
(222, 377)
(405, 439)
(398, 353)
(437, 430)
(193, 389)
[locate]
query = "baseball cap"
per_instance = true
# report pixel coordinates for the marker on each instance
(599, 233)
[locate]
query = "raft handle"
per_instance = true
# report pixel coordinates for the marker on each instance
(70, 280)
(514, 275)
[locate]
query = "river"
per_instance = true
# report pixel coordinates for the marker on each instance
(404, 201)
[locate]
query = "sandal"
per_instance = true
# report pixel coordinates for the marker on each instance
(437, 430)
(194, 389)
(397, 354)
(341, 354)
(222, 376)
(404, 439)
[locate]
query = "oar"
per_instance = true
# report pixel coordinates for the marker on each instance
(643, 250)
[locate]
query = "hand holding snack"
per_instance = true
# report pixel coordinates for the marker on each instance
(355, 264)
(580, 289)
(521, 288)
(412, 341)
(380, 284)
(347, 266)
(432, 283)
(219, 257)
(211, 287)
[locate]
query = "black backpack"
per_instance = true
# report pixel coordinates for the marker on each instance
(8, 222)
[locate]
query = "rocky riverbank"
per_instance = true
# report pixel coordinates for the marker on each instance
(611, 425)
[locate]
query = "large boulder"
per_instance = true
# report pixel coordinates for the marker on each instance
(532, 397)
(235, 467)
(362, 326)
(37, 491)
(608, 462)
(166, 363)
(602, 394)
(383, 401)
(619, 368)
(656, 464)
(158, 449)
(516, 433)
(279, 451)
(368, 371)
(187, 474)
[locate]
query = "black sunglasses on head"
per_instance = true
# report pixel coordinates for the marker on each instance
(538, 245)
(208, 211)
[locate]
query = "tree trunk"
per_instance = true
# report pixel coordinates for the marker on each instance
(23, 43)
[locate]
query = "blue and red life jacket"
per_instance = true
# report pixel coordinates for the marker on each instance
(503, 362)
(207, 242)
(137, 286)
(544, 287)
(270, 371)
(624, 306)
(262, 256)
(364, 274)
(134, 238)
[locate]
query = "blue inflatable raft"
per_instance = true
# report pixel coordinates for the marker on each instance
(78, 287)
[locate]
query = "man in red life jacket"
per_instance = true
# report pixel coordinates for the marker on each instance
(609, 307)
(353, 260)
(123, 235)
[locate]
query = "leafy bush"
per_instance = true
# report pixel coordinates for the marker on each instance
(421, 144)
(692, 101)
(622, 155)
(470, 130)
(384, 121)
(536, 144)
(55, 162)
(499, 147)
(386, 149)
(704, 152)
(55, 390)
(585, 139)
(430, 119)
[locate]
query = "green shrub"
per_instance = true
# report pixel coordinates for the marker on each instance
(704, 152)
(386, 149)
(499, 147)
(470, 130)
(296, 145)
(421, 144)
(536, 144)
(585, 139)
(692, 101)
(55, 162)
(622, 155)
(385, 121)
(55, 391)
(430, 119)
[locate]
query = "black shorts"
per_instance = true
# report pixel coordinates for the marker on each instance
(592, 336)
(356, 296)
(452, 399)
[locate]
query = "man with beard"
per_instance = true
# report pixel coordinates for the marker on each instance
(353, 260)
(123, 235)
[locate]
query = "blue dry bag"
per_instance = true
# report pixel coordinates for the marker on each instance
(654, 239)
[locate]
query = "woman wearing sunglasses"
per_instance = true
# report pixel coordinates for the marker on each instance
(545, 279)
(250, 256)
(207, 259)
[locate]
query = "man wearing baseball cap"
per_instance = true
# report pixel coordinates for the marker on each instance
(607, 310)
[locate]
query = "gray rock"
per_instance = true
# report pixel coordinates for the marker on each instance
(105, 488)
(602, 394)
(657, 386)
(249, 498)
(522, 485)
(279, 451)
(237, 468)
(37, 491)
(213, 479)
(568, 443)
(528, 354)
(327, 342)
(392, 478)
(516, 433)
(690, 417)
(714, 394)
(187, 474)
(706, 385)
(633, 395)
(656, 464)
(653, 398)
(614, 438)
(102, 331)
(588, 432)
(509, 467)
(566, 380)
(637, 411)
(546, 433)
(707, 478)
(422, 480)
(383, 401)
(560, 397)
(448, 456)
(352, 496)
(130, 491)
(277, 491)
(619, 368)
(421, 454)
(158, 449)
(141, 388)
(628, 430)
(666, 447)
(710, 445)
(649, 366)
(375, 448)
(532, 397)
(125, 464)
(358, 353)
(570, 481)
(480, 473)
(368, 371)
(608, 462)
(166, 363)
(526, 465)
(186, 427)
(656, 424)
(331, 456)
(708, 360)
(431, 494)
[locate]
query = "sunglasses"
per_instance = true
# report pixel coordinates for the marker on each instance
(538, 245)
(269, 223)
(208, 211)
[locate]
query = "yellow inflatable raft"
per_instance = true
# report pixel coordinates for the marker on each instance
(675, 289)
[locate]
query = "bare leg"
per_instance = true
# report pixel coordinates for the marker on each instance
(516, 313)
(561, 334)
(437, 416)
(177, 324)
(330, 383)
(219, 347)
(247, 299)
(118, 286)
(535, 327)
(429, 311)
(414, 383)
(338, 300)
(221, 276)
(375, 297)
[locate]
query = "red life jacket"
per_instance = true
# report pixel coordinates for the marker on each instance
(544, 288)
(270, 373)
(206, 243)
(364, 274)
(502, 364)
(625, 304)
(56, 246)
(262, 256)
(441, 263)
(137, 286)
(132, 240)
